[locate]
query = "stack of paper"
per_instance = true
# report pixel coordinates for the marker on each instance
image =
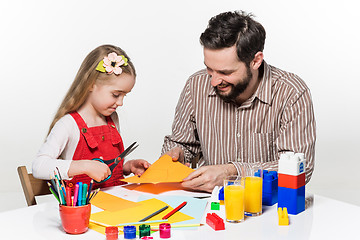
(134, 212)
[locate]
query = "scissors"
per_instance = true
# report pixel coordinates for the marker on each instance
(114, 162)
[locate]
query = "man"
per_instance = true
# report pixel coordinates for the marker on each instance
(239, 112)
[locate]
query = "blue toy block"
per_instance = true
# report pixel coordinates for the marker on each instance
(270, 187)
(270, 182)
(269, 199)
(292, 199)
(221, 194)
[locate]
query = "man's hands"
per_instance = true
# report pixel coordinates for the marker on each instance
(207, 177)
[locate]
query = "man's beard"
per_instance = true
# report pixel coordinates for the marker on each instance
(236, 90)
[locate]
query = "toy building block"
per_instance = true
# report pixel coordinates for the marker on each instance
(290, 181)
(270, 188)
(292, 170)
(283, 216)
(214, 221)
(292, 199)
(291, 163)
(215, 206)
(221, 196)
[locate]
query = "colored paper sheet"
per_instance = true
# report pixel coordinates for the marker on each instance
(155, 188)
(98, 228)
(194, 207)
(163, 170)
(135, 214)
(111, 203)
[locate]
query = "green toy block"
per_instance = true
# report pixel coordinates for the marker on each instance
(215, 206)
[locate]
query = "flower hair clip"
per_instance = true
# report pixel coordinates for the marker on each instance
(111, 64)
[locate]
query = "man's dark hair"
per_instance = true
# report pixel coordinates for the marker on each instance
(235, 28)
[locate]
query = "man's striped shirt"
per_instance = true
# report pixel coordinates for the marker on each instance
(279, 117)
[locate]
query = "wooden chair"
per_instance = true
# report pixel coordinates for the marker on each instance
(32, 186)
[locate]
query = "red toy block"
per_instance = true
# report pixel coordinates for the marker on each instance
(289, 181)
(214, 221)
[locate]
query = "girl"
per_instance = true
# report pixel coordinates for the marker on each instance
(86, 125)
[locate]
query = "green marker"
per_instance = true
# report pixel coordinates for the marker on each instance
(84, 192)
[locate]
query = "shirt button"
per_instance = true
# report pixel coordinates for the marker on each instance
(238, 135)
(83, 130)
(238, 159)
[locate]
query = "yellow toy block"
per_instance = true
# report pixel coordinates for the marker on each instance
(283, 216)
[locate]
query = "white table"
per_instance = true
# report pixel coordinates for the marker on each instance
(324, 219)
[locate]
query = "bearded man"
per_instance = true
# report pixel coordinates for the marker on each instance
(239, 112)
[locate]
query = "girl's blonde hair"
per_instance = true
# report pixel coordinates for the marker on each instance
(86, 77)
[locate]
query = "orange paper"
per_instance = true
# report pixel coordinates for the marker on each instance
(163, 170)
(111, 203)
(154, 188)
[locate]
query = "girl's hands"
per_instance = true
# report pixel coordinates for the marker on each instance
(94, 169)
(137, 167)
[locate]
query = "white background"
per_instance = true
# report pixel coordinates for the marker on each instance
(44, 42)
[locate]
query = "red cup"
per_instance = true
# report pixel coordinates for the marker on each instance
(75, 220)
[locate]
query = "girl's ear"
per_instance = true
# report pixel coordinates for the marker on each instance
(256, 62)
(92, 88)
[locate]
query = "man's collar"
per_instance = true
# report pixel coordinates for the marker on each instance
(263, 92)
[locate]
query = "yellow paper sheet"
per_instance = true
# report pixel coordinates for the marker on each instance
(135, 214)
(112, 203)
(99, 229)
(163, 170)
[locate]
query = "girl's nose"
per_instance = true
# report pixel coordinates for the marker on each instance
(119, 101)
